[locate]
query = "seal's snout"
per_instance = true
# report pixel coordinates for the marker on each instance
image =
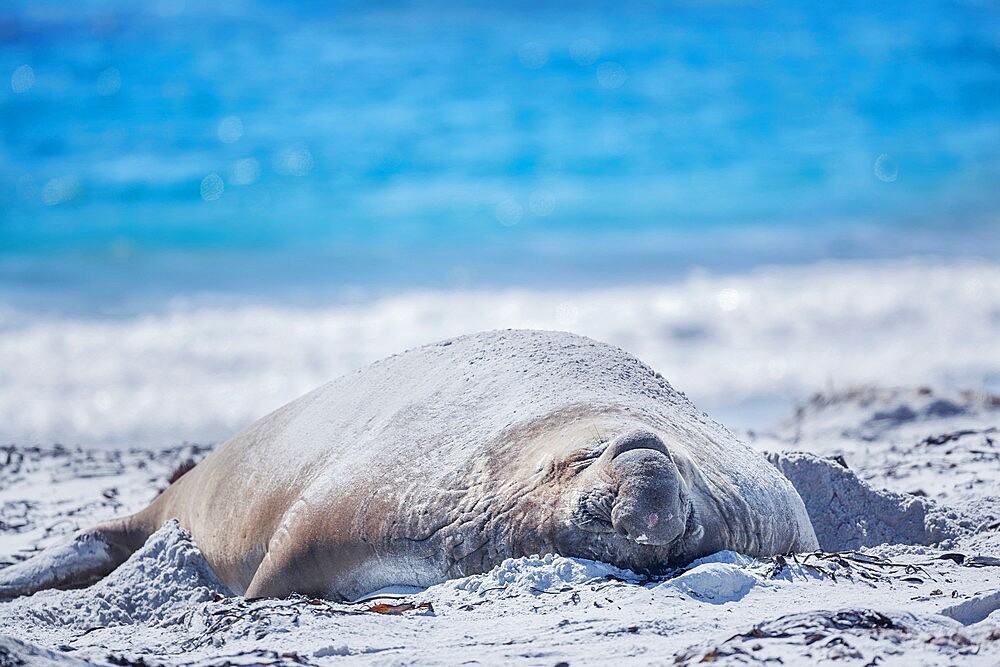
(639, 493)
(649, 506)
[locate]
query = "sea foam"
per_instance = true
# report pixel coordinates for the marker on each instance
(199, 373)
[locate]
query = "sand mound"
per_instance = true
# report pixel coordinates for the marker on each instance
(848, 513)
(157, 585)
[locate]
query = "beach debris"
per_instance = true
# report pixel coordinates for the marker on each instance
(402, 608)
(952, 436)
(856, 635)
(853, 566)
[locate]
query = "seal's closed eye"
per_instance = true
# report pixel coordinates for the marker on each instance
(583, 458)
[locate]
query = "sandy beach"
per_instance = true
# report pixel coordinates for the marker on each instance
(901, 485)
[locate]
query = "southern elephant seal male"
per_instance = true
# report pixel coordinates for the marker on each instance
(443, 461)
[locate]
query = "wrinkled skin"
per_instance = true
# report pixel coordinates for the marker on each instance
(624, 498)
(621, 500)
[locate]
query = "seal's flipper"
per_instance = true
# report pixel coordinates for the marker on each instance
(83, 559)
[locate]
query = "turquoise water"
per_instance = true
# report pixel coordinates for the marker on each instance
(156, 148)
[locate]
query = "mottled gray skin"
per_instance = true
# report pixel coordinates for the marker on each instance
(423, 467)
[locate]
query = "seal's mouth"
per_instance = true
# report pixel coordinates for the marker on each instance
(691, 529)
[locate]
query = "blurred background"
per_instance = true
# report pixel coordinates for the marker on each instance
(210, 208)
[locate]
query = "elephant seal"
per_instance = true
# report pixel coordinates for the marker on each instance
(444, 460)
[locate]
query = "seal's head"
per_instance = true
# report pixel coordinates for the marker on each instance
(634, 489)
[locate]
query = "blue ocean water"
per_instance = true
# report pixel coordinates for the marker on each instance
(156, 148)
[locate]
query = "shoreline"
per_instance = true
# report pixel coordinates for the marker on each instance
(743, 347)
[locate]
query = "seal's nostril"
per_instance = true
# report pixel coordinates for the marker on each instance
(652, 519)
